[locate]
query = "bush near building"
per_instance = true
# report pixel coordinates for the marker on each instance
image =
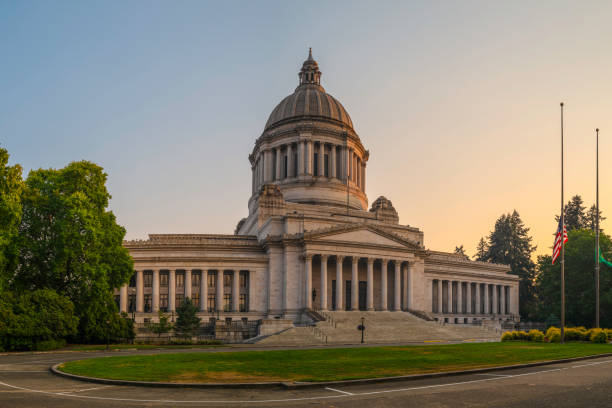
(553, 335)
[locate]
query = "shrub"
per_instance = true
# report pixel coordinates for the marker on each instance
(609, 334)
(573, 334)
(598, 336)
(535, 335)
(553, 335)
(507, 336)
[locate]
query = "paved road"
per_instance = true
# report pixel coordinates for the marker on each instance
(25, 381)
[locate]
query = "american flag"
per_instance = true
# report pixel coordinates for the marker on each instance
(557, 244)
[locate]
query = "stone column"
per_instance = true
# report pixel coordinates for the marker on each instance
(236, 291)
(460, 297)
(310, 158)
(290, 161)
(332, 161)
(204, 291)
(171, 290)
(219, 305)
(323, 293)
(139, 292)
(339, 285)
(502, 299)
(345, 163)
(350, 164)
(468, 294)
(383, 284)
(477, 295)
(370, 283)
(187, 283)
(300, 157)
(155, 300)
(495, 300)
(321, 159)
(355, 284)
(363, 176)
(487, 306)
(308, 273)
(406, 294)
(440, 297)
(397, 286)
(123, 298)
(277, 176)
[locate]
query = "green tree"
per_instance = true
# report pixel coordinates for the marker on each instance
(187, 322)
(71, 243)
(590, 218)
(575, 217)
(481, 250)
(35, 320)
(579, 281)
(510, 244)
(162, 326)
(11, 186)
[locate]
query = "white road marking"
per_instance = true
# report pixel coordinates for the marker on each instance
(24, 371)
(592, 364)
(89, 389)
(494, 375)
(344, 393)
(340, 391)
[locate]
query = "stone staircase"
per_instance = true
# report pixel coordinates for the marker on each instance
(381, 327)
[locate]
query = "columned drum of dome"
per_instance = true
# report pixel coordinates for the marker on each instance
(310, 149)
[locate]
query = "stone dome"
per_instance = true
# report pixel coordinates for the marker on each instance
(309, 101)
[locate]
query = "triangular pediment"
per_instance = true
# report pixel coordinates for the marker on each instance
(362, 234)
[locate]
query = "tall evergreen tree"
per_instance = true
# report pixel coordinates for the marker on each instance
(575, 217)
(590, 218)
(510, 244)
(187, 322)
(481, 250)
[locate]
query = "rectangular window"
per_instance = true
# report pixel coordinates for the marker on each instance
(133, 281)
(148, 279)
(326, 165)
(180, 280)
(195, 298)
(212, 280)
(179, 300)
(295, 164)
(227, 302)
(285, 167)
(147, 303)
(315, 171)
(243, 303)
(227, 280)
(132, 303)
(244, 279)
(212, 302)
(195, 279)
(163, 302)
(163, 279)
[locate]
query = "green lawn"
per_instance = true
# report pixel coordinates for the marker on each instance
(324, 364)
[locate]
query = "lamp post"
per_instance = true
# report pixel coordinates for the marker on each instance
(362, 328)
(107, 334)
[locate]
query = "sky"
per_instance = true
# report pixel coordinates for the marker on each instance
(457, 102)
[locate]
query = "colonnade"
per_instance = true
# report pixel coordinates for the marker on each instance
(211, 290)
(460, 297)
(309, 158)
(400, 273)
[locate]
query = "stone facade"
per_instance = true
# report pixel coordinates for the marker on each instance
(310, 242)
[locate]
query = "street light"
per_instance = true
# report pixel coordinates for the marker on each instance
(361, 327)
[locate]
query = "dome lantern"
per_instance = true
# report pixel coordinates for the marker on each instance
(310, 74)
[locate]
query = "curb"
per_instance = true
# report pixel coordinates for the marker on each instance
(303, 385)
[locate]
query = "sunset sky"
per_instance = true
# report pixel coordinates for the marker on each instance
(457, 102)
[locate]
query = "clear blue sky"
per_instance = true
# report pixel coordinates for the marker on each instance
(456, 101)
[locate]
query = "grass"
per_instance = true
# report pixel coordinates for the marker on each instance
(324, 364)
(94, 347)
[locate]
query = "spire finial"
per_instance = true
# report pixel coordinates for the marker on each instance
(310, 53)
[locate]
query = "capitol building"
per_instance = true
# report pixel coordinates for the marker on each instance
(311, 243)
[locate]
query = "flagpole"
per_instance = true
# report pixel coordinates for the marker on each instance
(562, 241)
(597, 230)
